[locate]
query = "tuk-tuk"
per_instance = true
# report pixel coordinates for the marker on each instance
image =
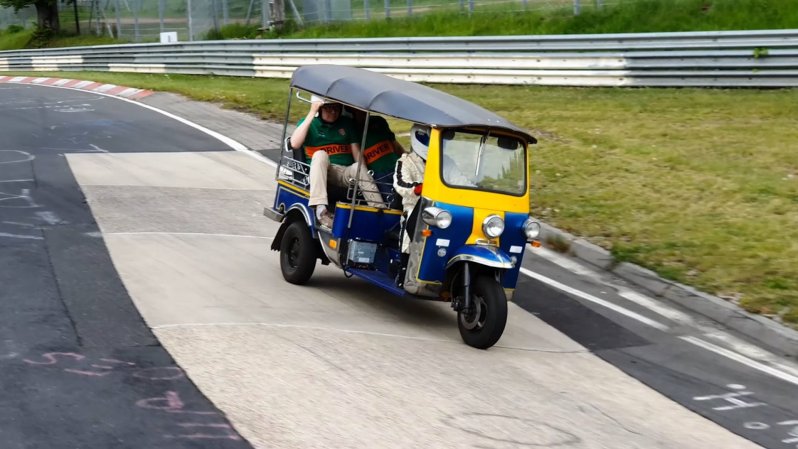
(468, 242)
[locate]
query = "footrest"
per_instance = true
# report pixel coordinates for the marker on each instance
(380, 279)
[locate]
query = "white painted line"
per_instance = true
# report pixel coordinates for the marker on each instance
(578, 293)
(190, 234)
(17, 79)
(39, 80)
(563, 261)
(17, 180)
(656, 306)
(741, 359)
(62, 81)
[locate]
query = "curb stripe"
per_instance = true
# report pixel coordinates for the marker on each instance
(90, 86)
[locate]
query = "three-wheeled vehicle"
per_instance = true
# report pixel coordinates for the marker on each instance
(468, 243)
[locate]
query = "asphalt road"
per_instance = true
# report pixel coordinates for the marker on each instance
(78, 366)
(335, 364)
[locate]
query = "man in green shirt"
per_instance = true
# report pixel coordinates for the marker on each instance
(382, 150)
(330, 142)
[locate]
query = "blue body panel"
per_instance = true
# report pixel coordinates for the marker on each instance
(367, 225)
(286, 199)
(433, 266)
(513, 236)
(380, 279)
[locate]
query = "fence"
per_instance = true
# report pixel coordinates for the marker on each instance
(713, 59)
(144, 20)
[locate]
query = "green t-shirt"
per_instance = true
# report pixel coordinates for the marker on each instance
(333, 138)
(379, 153)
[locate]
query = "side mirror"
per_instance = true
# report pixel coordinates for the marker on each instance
(508, 143)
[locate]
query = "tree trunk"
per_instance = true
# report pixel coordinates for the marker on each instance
(47, 15)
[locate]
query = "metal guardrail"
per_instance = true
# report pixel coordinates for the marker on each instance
(712, 59)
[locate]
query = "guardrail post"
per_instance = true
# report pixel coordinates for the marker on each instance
(136, 10)
(577, 7)
(409, 7)
(161, 9)
(118, 20)
(387, 9)
(190, 21)
(470, 7)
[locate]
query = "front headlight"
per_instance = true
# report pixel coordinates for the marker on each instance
(435, 216)
(493, 226)
(531, 229)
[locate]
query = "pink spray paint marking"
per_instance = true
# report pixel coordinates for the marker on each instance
(227, 432)
(170, 403)
(160, 373)
(51, 358)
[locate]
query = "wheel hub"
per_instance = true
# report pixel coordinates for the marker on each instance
(474, 318)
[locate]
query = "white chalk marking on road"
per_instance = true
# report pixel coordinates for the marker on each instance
(595, 300)
(49, 217)
(741, 359)
(96, 148)
(18, 236)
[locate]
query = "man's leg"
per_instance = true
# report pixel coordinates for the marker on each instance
(319, 165)
(370, 191)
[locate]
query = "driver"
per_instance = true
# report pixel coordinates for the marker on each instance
(330, 143)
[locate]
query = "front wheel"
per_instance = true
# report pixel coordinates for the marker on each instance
(297, 253)
(483, 324)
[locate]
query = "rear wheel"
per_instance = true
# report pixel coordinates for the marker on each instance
(483, 324)
(297, 253)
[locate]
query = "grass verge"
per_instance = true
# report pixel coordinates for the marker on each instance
(699, 185)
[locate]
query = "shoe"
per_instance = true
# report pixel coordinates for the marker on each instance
(325, 219)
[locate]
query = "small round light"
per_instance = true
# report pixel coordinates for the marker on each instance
(531, 229)
(443, 219)
(435, 216)
(493, 226)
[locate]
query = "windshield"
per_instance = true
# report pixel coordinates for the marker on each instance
(483, 161)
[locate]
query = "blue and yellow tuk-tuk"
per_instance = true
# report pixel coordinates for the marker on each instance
(468, 241)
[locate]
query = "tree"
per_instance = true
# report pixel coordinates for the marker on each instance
(46, 12)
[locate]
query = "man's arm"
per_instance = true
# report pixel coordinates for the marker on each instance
(301, 132)
(356, 151)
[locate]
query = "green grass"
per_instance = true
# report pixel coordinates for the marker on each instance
(15, 40)
(700, 185)
(627, 17)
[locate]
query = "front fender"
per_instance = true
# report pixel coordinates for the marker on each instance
(488, 256)
(297, 212)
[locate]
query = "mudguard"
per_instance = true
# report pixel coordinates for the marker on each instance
(488, 256)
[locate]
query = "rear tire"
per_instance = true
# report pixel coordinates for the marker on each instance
(297, 253)
(483, 325)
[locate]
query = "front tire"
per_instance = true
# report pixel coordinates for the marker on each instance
(297, 253)
(483, 325)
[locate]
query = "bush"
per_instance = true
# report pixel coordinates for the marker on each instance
(14, 29)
